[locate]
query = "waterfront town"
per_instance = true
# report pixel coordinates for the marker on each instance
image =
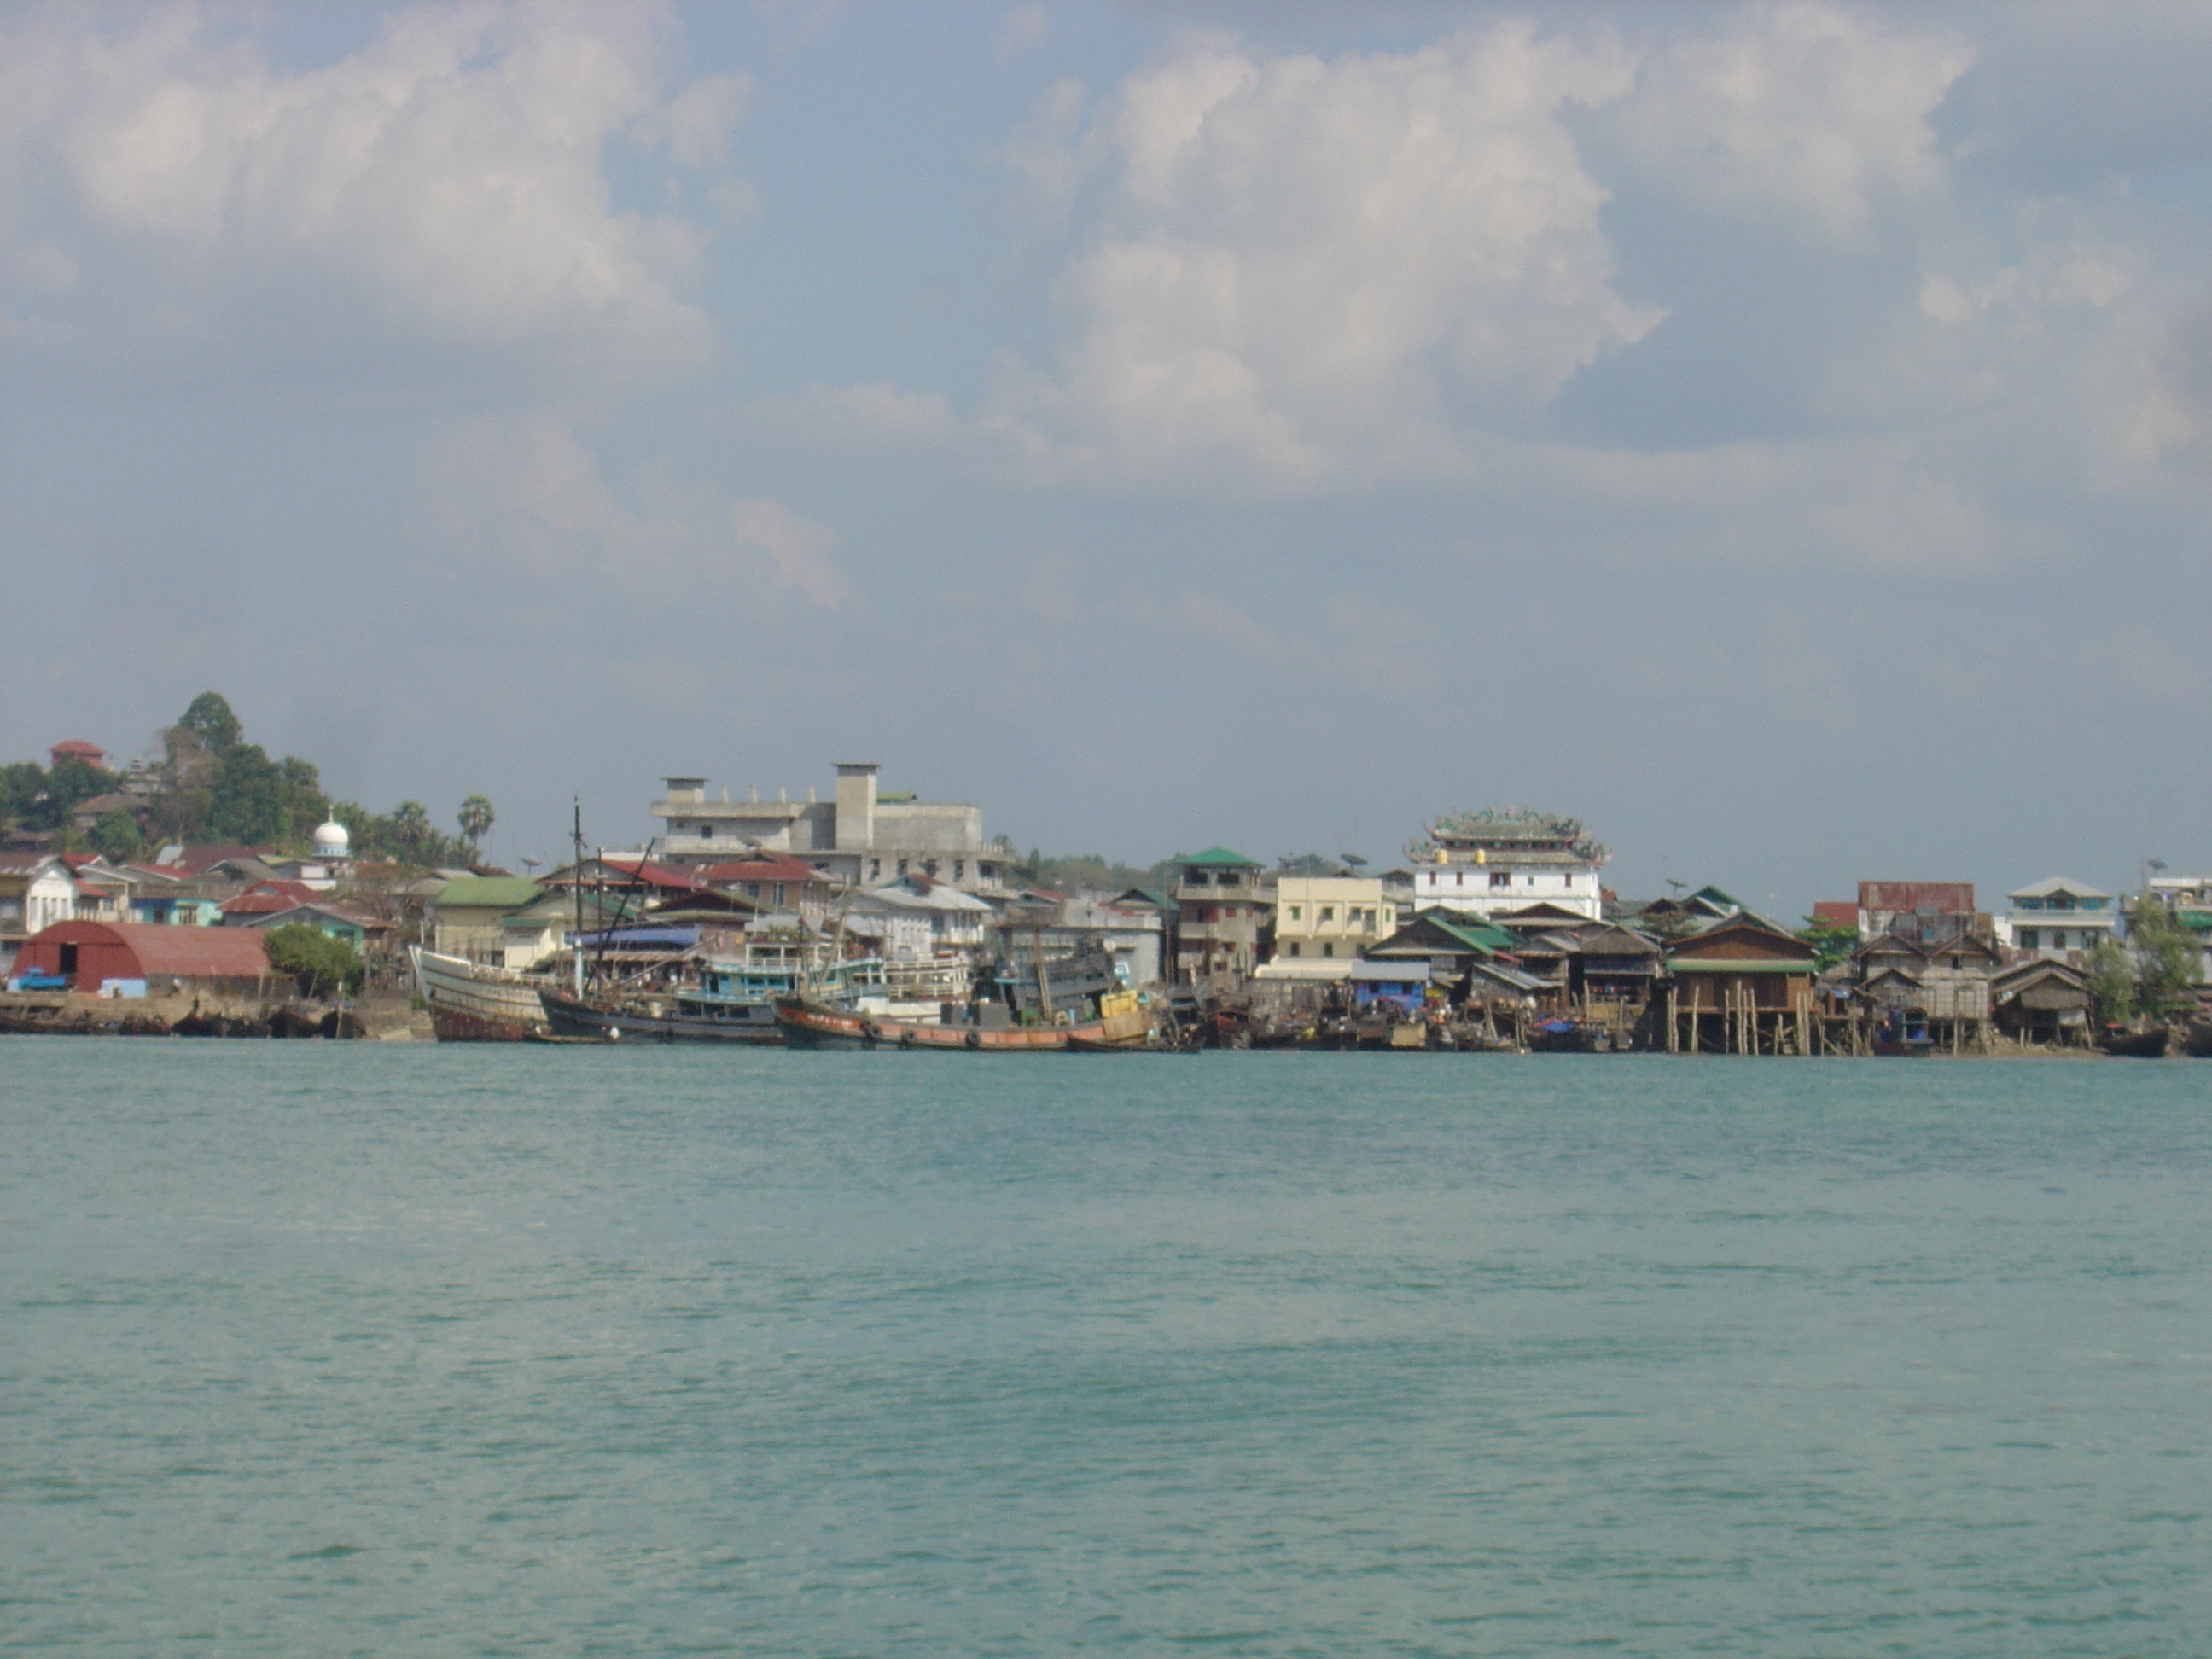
(1495, 930)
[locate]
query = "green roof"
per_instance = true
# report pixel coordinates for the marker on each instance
(1742, 966)
(1482, 936)
(488, 893)
(1219, 855)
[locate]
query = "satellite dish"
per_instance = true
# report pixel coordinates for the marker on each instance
(530, 863)
(1351, 859)
(1677, 885)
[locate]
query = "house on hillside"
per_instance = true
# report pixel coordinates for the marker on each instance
(36, 891)
(370, 935)
(504, 921)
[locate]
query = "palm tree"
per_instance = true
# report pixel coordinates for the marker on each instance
(410, 828)
(476, 821)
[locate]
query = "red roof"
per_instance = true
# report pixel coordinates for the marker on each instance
(1841, 912)
(258, 904)
(768, 866)
(264, 896)
(78, 747)
(190, 952)
(1944, 897)
(647, 873)
(167, 871)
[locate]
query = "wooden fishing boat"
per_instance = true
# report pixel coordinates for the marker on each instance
(2123, 1044)
(675, 1017)
(810, 1025)
(470, 1002)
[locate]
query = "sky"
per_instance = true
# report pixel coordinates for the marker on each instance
(1780, 435)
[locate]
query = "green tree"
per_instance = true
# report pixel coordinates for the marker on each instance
(2167, 958)
(323, 966)
(116, 838)
(1831, 941)
(2112, 983)
(69, 782)
(412, 837)
(210, 719)
(476, 819)
(21, 783)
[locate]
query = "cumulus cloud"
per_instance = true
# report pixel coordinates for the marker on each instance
(1300, 265)
(168, 190)
(1803, 111)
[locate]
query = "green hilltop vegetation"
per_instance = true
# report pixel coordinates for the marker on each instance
(211, 787)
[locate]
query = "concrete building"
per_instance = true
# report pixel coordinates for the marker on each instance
(36, 891)
(1224, 918)
(1334, 915)
(1506, 859)
(2055, 916)
(862, 838)
(505, 921)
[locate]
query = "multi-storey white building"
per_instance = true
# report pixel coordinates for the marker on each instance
(2055, 916)
(862, 838)
(1507, 858)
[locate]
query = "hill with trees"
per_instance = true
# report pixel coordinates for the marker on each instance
(210, 786)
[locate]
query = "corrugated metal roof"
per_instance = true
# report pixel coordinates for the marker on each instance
(189, 952)
(488, 893)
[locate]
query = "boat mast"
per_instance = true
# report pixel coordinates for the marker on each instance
(576, 872)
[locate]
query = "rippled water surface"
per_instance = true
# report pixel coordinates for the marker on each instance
(312, 1348)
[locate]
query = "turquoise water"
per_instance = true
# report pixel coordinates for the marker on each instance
(355, 1348)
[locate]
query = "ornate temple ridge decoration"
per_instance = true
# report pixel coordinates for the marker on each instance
(1510, 831)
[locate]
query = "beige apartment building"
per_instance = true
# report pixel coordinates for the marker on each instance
(1334, 915)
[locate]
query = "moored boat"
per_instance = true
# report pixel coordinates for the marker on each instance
(672, 1019)
(2123, 1044)
(807, 1023)
(470, 1002)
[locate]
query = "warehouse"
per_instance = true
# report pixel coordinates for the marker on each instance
(136, 959)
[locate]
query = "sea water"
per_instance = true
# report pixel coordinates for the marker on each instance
(356, 1348)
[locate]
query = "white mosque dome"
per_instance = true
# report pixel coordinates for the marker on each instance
(331, 839)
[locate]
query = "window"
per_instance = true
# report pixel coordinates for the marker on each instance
(779, 892)
(1328, 950)
(2029, 938)
(2059, 941)
(1460, 880)
(1499, 879)
(960, 869)
(752, 890)
(1328, 912)
(1294, 912)
(1292, 949)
